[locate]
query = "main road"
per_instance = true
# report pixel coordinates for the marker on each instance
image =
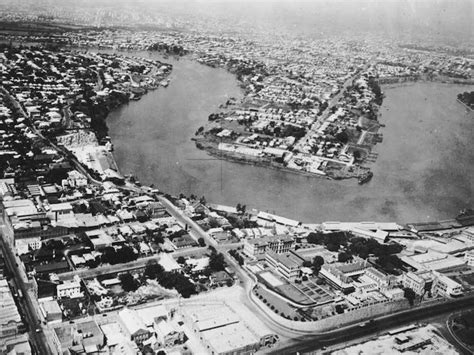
(313, 342)
(132, 265)
(37, 334)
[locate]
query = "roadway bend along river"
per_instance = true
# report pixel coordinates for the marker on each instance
(423, 172)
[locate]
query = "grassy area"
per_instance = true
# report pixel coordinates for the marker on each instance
(315, 292)
(293, 293)
(463, 327)
(277, 304)
(467, 278)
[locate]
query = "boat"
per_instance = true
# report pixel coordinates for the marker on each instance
(366, 177)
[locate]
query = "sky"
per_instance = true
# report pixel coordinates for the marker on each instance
(435, 18)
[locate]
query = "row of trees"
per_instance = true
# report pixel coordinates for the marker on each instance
(361, 247)
(467, 98)
(235, 254)
(112, 256)
(332, 241)
(315, 265)
(216, 261)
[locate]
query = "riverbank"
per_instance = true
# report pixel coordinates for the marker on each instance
(250, 160)
(418, 117)
(387, 82)
(465, 105)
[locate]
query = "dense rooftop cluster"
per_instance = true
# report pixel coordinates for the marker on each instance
(310, 106)
(91, 240)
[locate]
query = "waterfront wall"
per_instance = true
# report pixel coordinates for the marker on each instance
(413, 79)
(356, 315)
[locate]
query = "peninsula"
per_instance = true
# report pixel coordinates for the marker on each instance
(92, 261)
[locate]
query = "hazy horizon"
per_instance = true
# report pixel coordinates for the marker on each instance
(442, 19)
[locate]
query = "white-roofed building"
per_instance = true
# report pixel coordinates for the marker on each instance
(167, 335)
(199, 265)
(447, 287)
(117, 343)
(231, 339)
(415, 282)
(10, 319)
(168, 263)
(379, 235)
(71, 289)
(469, 258)
(258, 246)
(222, 331)
(133, 326)
(372, 226)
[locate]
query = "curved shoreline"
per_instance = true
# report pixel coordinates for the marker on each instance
(303, 217)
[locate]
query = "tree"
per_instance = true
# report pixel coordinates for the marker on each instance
(213, 222)
(147, 350)
(357, 155)
(216, 262)
(128, 282)
(339, 308)
(343, 257)
(201, 242)
(318, 261)
(390, 263)
(181, 260)
(177, 281)
(315, 238)
(342, 137)
(153, 270)
(410, 295)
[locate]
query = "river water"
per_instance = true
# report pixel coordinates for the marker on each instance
(423, 172)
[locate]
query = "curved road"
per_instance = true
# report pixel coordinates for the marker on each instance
(318, 341)
(454, 339)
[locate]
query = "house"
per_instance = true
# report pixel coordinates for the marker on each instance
(70, 289)
(185, 241)
(169, 263)
(221, 278)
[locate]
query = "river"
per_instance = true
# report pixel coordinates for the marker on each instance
(423, 172)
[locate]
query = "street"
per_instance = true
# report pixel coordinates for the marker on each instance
(345, 334)
(137, 264)
(29, 305)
